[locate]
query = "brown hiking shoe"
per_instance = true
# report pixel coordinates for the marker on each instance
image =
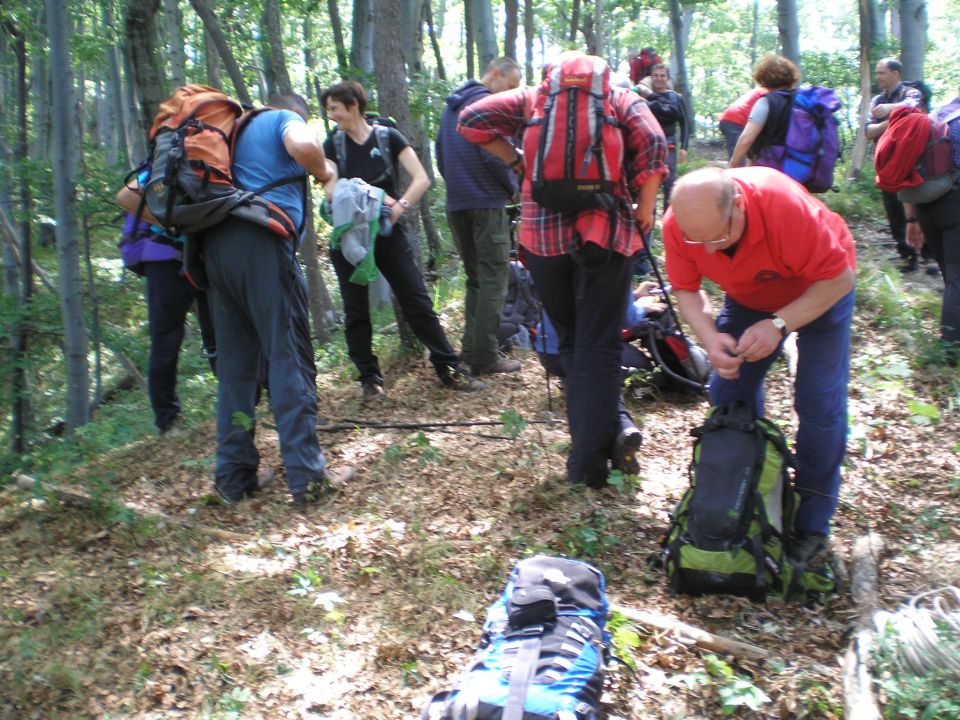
(503, 364)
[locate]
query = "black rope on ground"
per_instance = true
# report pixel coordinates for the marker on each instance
(351, 424)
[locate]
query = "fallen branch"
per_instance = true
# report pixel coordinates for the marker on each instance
(688, 634)
(858, 698)
(80, 498)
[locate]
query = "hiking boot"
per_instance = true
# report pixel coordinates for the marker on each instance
(327, 484)
(933, 269)
(806, 546)
(625, 451)
(455, 377)
(502, 364)
(910, 265)
(373, 391)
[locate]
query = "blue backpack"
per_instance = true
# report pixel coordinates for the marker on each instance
(544, 650)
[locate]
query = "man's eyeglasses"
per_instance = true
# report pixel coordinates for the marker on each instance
(718, 241)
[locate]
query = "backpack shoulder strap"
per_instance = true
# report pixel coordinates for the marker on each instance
(383, 142)
(339, 141)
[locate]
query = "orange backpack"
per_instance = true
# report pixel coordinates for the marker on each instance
(191, 186)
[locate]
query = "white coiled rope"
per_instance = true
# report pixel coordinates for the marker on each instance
(925, 632)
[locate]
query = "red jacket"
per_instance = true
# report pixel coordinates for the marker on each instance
(900, 147)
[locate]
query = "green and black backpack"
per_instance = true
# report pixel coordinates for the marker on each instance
(729, 532)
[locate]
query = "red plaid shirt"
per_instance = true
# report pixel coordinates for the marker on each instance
(546, 232)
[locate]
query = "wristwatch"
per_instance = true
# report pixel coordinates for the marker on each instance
(912, 220)
(405, 204)
(780, 325)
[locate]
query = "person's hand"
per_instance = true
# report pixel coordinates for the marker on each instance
(396, 209)
(647, 287)
(682, 155)
(758, 341)
(651, 304)
(915, 235)
(722, 352)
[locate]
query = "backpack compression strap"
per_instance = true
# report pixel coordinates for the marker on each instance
(523, 670)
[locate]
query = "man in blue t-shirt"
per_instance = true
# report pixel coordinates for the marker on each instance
(259, 303)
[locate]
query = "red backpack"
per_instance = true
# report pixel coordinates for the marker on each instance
(573, 141)
(919, 173)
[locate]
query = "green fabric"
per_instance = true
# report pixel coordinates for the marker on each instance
(483, 239)
(366, 271)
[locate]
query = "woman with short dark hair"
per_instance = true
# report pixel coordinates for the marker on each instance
(374, 154)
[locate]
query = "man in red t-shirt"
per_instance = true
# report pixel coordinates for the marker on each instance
(786, 263)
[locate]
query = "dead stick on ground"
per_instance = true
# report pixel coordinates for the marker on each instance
(79, 498)
(858, 698)
(685, 632)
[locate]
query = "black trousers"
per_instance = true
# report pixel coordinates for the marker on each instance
(898, 224)
(394, 258)
(169, 297)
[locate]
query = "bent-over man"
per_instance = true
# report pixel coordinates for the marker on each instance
(786, 263)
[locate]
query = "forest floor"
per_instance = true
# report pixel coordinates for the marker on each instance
(368, 604)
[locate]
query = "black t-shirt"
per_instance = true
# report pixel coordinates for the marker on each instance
(364, 161)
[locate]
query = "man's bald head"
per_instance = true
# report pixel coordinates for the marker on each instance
(702, 202)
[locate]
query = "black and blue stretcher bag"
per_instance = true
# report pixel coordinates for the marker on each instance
(544, 649)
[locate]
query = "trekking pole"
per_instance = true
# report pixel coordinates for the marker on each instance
(344, 424)
(666, 296)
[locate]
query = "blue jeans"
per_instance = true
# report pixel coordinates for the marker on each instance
(820, 400)
(586, 299)
(259, 302)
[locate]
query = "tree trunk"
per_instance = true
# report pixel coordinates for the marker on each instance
(574, 21)
(511, 9)
(115, 85)
(65, 200)
(485, 32)
(333, 10)
(173, 24)
(211, 60)
(528, 35)
(141, 32)
(789, 29)
(361, 49)
(913, 37)
(134, 132)
(20, 334)
(322, 311)
(394, 102)
(681, 84)
(275, 32)
(434, 43)
(754, 33)
(468, 39)
(413, 36)
(868, 35)
(41, 91)
(599, 44)
(212, 26)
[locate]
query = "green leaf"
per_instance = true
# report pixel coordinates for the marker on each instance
(242, 420)
(513, 423)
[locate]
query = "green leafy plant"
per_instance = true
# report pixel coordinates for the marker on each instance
(733, 690)
(513, 423)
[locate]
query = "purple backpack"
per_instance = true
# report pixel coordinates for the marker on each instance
(810, 146)
(140, 243)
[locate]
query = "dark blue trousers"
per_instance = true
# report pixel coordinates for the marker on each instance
(169, 297)
(585, 296)
(820, 400)
(259, 301)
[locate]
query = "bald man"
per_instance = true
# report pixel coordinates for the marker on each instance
(786, 264)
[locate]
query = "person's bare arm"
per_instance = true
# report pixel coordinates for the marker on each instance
(696, 310)
(751, 132)
(304, 147)
(419, 183)
(762, 338)
(129, 199)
